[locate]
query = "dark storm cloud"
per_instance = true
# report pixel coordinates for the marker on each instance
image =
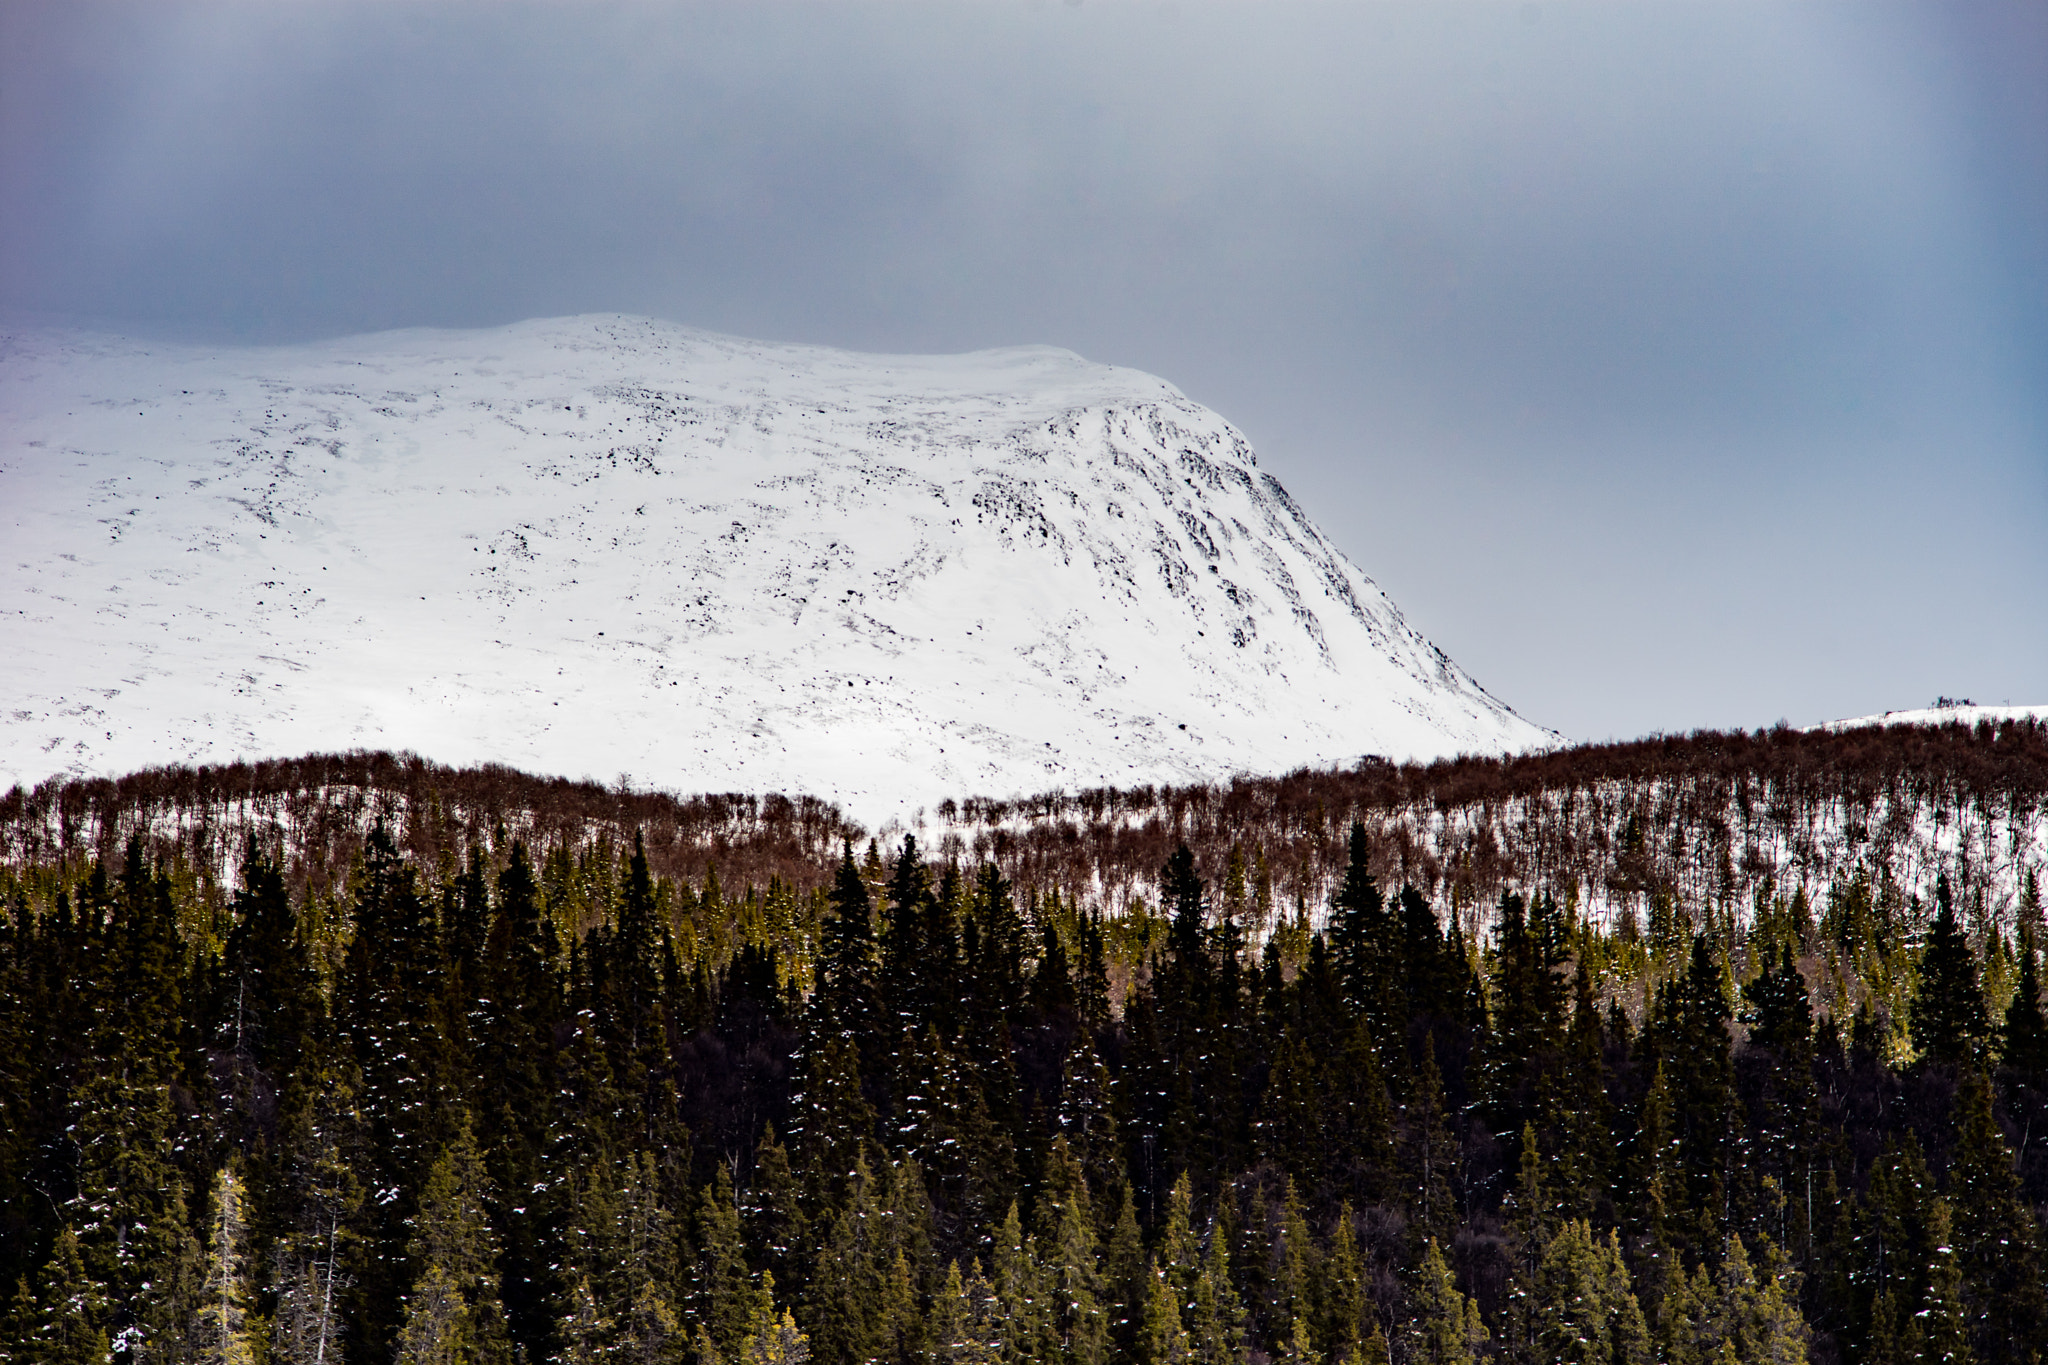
(1673, 365)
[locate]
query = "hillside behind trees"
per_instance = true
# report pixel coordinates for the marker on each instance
(1723, 1047)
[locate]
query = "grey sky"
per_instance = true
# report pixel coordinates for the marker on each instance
(1671, 364)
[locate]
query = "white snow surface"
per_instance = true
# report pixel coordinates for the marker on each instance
(611, 547)
(1965, 714)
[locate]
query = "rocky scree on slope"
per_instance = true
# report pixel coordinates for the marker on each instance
(607, 545)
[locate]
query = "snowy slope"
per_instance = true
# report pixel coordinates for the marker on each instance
(1964, 714)
(606, 545)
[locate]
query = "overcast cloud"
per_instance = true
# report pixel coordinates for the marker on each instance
(1673, 365)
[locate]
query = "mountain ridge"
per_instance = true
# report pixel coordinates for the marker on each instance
(608, 544)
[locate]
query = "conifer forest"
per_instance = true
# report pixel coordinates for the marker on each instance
(1714, 1051)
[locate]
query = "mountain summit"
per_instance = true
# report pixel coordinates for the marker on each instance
(608, 545)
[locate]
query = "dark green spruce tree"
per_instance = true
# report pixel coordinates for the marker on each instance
(1947, 1020)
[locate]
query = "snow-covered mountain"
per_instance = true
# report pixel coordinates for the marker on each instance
(611, 546)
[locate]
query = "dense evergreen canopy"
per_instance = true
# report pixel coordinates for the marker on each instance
(546, 1104)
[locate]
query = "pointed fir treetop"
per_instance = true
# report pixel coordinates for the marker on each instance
(1947, 1018)
(2024, 1037)
(1182, 895)
(846, 997)
(1780, 1016)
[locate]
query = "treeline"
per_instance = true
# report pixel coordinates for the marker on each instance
(1705, 819)
(316, 812)
(484, 1109)
(1703, 822)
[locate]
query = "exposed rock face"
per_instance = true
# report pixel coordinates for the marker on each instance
(606, 545)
